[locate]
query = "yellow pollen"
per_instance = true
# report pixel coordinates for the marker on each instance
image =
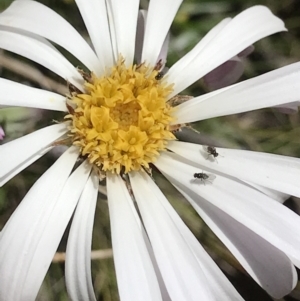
(122, 121)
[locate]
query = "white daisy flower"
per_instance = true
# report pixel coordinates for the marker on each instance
(120, 122)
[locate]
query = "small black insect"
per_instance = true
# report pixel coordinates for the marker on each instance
(203, 177)
(159, 75)
(212, 151)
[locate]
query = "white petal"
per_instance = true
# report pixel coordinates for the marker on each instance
(15, 94)
(112, 29)
(135, 273)
(184, 278)
(39, 19)
(78, 255)
(140, 34)
(22, 149)
(32, 234)
(268, 266)
(159, 19)
(17, 169)
(125, 15)
(95, 18)
(280, 173)
(245, 29)
(41, 51)
(271, 220)
(268, 90)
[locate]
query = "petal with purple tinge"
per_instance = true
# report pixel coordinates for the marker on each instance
(140, 32)
(288, 108)
(224, 75)
(2, 133)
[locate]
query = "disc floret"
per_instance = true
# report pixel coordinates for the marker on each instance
(121, 122)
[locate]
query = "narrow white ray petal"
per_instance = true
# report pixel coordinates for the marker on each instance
(39, 19)
(188, 271)
(268, 90)
(180, 65)
(95, 18)
(201, 98)
(125, 15)
(70, 153)
(17, 169)
(32, 234)
(277, 172)
(40, 51)
(20, 150)
(268, 266)
(78, 255)
(157, 27)
(112, 29)
(135, 273)
(242, 31)
(271, 220)
(15, 94)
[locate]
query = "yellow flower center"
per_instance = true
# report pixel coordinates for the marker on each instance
(122, 121)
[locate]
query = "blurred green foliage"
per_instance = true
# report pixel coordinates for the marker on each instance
(265, 130)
